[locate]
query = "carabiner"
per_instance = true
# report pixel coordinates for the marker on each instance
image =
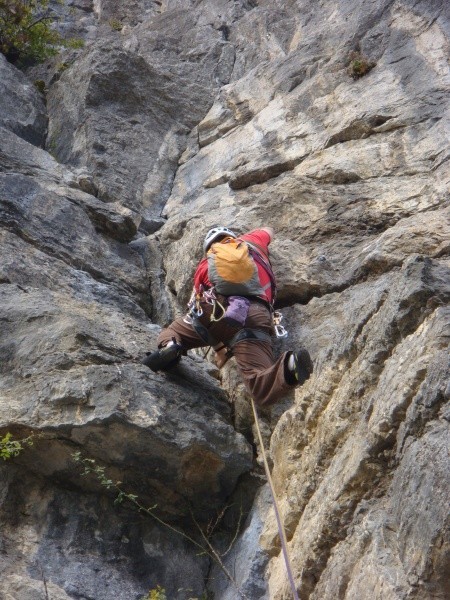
(213, 317)
(280, 331)
(197, 311)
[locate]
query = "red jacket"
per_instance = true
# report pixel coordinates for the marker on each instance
(258, 237)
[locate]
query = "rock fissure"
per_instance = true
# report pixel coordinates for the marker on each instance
(258, 176)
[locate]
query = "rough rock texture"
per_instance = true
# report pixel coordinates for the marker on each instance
(246, 559)
(23, 111)
(362, 435)
(74, 296)
(151, 86)
(177, 116)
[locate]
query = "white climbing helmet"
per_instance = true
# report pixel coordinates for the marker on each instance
(215, 233)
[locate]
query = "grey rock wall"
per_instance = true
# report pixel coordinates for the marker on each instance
(23, 110)
(175, 117)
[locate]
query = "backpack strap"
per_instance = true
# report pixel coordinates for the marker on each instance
(260, 257)
(258, 248)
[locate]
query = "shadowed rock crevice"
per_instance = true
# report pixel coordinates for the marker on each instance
(361, 130)
(247, 178)
(23, 111)
(91, 522)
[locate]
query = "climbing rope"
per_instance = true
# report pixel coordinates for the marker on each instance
(276, 508)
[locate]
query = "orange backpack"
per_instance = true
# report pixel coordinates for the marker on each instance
(232, 270)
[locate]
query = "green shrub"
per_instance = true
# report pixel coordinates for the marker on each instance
(26, 33)
(10, 447)
(115, 24)
(157, 593)
(39, 84)
(359, 65)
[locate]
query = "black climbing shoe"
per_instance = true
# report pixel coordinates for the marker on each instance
(303, 367)
(163, 358)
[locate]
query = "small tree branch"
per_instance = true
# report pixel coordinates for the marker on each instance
(34, 23)
(90, 467)
(218, 559)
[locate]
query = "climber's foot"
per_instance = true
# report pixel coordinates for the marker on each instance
(163, 358)
(299, 367)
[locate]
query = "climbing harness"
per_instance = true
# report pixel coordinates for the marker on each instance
(203, 332)
(248, 334)
(280, 331)
(195, 311)
(281, 530)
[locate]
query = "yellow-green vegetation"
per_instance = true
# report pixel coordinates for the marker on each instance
(62, 66)
(52, 143)
(39, 84)
(27, 35)
(74, 43)
(115, 24)
(157, 593)
(359, 65)
(10, 447)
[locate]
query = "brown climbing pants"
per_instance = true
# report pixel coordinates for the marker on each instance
(263, 375)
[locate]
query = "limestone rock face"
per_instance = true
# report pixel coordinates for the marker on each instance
(385, 378)
(74, 303)
(124, 108)
(22, 108)
(176, 117)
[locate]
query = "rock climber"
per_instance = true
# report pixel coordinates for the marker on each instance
(239, 326)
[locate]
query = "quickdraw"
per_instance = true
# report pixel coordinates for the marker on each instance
(213, 318)
(280, 331)
(195, 310)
